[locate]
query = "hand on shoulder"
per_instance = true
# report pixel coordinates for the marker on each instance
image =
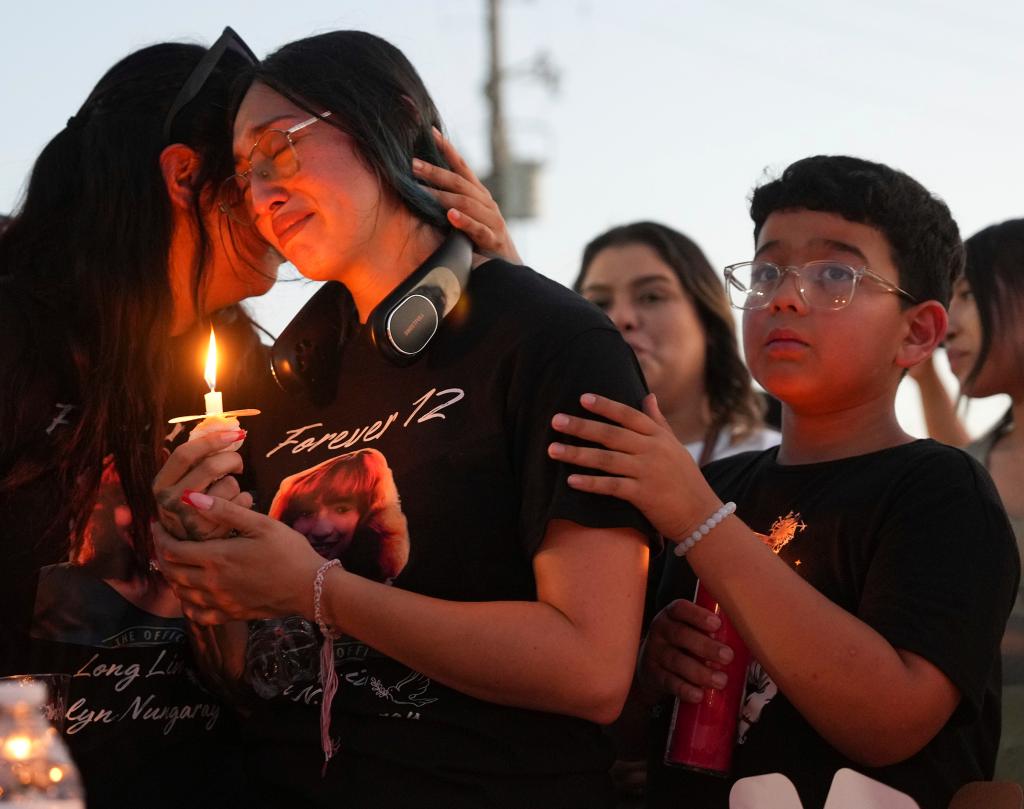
(643, 460)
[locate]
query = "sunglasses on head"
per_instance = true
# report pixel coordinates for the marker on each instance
(227, 41)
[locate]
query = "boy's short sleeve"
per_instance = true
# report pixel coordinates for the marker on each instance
(550, 379)
(944, 572)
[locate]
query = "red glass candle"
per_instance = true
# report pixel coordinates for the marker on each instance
(702, 735)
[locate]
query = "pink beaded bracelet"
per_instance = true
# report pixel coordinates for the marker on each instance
(318, 591)
(328, 676)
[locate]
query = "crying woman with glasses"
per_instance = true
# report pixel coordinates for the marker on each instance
(480, 674)
(112, 268)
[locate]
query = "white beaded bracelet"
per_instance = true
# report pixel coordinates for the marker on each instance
(705, 528)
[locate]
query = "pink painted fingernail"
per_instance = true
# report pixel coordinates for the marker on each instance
(197, 500)
(231, 436)
(560, 420)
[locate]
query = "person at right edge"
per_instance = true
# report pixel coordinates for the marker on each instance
(985, 349)
(875, 625)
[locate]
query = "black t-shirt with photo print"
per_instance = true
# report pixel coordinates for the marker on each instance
(913, 541)
(141, 726)
(435, 477)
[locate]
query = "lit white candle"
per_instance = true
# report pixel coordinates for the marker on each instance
(215, 420)
(214, 401)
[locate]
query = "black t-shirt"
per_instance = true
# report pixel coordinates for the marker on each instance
(39, 396)
(913, 541)
(140, 724)
(435, 477)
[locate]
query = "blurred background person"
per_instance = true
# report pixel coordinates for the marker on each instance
(985, 348)
(660, 291)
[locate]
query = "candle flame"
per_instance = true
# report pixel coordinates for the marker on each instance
(17, 748)
(210, 374)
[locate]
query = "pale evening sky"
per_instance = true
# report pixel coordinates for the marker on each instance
(666, 110)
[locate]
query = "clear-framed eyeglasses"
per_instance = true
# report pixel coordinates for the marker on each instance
(272, 157)
(821, 284)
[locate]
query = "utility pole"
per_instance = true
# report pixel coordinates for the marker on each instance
(513, 180)
(500, 161)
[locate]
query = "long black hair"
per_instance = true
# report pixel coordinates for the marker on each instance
(731, 399)
(89, 244)
(375, 96)
(995, 272)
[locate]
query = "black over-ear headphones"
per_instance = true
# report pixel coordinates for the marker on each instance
(305, 358)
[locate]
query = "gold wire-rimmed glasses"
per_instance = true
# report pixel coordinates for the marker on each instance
(272, 157)
(821, 284)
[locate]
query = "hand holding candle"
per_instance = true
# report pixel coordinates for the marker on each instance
(215, 419)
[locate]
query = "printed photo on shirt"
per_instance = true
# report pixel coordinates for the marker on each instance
(348, 508)
(761, 690)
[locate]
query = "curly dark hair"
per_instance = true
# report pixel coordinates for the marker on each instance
(922, 234)
(731, 399)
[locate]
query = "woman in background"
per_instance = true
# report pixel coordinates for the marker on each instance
(985, 348)
(660, 291)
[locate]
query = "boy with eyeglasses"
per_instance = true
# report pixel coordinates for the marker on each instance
(875, 624)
